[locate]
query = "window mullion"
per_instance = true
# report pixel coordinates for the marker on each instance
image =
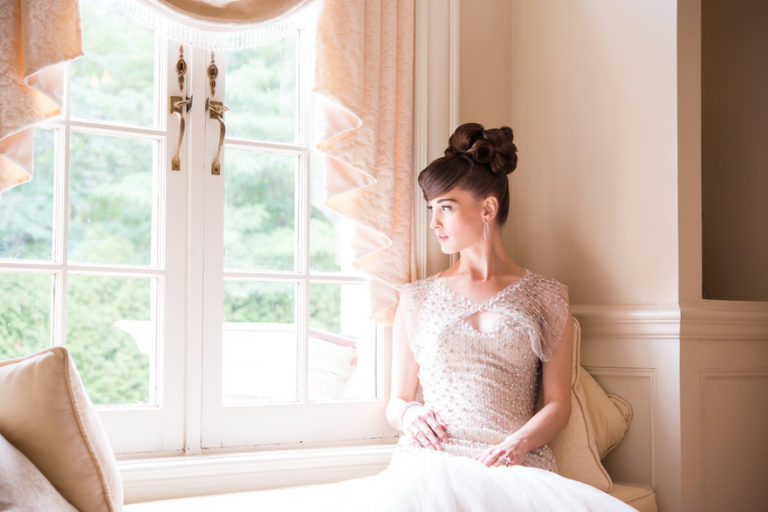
(302, 251)
(206, 218)
(61, 222)
(302, 215)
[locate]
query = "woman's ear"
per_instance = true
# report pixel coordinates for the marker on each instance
(490, 208)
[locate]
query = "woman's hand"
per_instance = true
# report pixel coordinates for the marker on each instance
(510, 452)
(425, 427)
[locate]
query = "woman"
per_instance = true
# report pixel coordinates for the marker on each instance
(480, 338)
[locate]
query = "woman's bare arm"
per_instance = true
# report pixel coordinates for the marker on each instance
(405, 371)
(423, 425)
(552, 417)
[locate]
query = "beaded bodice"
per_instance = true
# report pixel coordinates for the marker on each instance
(484, 383)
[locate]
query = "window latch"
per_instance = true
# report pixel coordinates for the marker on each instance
(216, 111)
(178, 105)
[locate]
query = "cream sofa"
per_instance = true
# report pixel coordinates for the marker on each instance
(55, 455)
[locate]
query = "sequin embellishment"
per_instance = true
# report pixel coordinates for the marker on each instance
(484, 383)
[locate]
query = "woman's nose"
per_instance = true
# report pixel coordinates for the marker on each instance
(434, 223)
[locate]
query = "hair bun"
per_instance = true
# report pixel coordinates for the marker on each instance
(493, 147)
(505, 152)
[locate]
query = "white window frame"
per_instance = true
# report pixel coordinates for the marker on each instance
(153, 428)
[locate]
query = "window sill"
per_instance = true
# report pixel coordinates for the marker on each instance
(195, 475)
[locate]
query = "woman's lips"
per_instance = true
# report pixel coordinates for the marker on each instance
(442, 238)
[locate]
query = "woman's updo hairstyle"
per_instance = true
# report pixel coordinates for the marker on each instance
(478, 161)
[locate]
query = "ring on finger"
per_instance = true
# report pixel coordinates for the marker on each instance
(506, 460)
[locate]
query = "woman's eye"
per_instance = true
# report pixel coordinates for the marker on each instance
(429, 208)
(446, 208)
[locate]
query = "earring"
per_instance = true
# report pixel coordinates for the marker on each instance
(486, 230)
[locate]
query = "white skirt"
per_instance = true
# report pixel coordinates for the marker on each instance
(426, 481)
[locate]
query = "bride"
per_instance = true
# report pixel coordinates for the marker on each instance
(481, 338)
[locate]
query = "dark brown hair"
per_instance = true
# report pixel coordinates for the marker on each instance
(478, 161)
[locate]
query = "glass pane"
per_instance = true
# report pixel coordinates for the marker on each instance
(26, 211)
(110, 199)
(341, 343)
(259, 210)
(261, 92)
(330, 234)
(25, 314)
(259, 342)
(114, 80)
(112, 337)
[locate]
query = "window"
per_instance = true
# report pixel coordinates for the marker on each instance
(202, 311)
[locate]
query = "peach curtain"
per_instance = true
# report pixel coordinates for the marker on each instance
(36, 38)
(364, 78)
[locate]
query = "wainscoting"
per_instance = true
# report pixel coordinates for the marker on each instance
(724, 385)
(633, 352)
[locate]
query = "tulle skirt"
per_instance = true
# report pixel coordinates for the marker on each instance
(428, 481)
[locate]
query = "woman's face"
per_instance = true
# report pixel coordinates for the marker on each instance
(457, 219)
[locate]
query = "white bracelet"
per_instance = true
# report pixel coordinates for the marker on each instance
(407, 406)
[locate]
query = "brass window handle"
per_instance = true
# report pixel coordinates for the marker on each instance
(216, 111)
(177, 105)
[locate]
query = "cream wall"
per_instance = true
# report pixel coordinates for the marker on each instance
(723, 344)
(590, 89)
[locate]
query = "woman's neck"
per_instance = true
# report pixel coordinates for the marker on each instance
(485, 261)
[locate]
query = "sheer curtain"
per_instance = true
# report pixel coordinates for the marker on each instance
(364, 75)
(38, 37)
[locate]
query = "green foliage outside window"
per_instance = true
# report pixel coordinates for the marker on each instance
(110, 211)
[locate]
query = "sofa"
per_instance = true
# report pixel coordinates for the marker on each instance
(55, 455)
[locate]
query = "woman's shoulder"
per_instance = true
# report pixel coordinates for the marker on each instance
(418, 287)
(540, 283)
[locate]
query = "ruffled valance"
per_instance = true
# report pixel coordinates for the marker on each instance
(38, 37)
(364, 77)
(237, 12)
(218, 24)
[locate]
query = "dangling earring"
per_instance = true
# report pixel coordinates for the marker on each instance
(486, 230)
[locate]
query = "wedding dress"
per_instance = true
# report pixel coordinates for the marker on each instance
(484, 385)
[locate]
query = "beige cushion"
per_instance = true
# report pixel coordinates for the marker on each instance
(45, 413)
(639, 497)
(23, 488)
(598, 423)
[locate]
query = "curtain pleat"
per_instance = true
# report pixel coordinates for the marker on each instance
(364, 78)
(37, 38)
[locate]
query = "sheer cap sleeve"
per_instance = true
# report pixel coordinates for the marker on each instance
(549, 304)
(411, 299)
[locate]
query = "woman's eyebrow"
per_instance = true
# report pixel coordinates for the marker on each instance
(446, 199)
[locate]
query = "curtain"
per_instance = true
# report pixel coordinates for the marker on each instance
(236, 12)
(364, 75)
(221, 25)
(36, 38)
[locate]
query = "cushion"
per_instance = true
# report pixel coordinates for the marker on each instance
(640, 497)
(23, 488)
(46, 414)
(597, 424)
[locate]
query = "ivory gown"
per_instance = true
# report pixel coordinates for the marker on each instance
(484, 386)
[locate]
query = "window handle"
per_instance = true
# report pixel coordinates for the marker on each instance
(177, 105)
(216, 111)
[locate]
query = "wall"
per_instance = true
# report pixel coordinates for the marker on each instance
(590, 89)
(723, 344)
(594, 100)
